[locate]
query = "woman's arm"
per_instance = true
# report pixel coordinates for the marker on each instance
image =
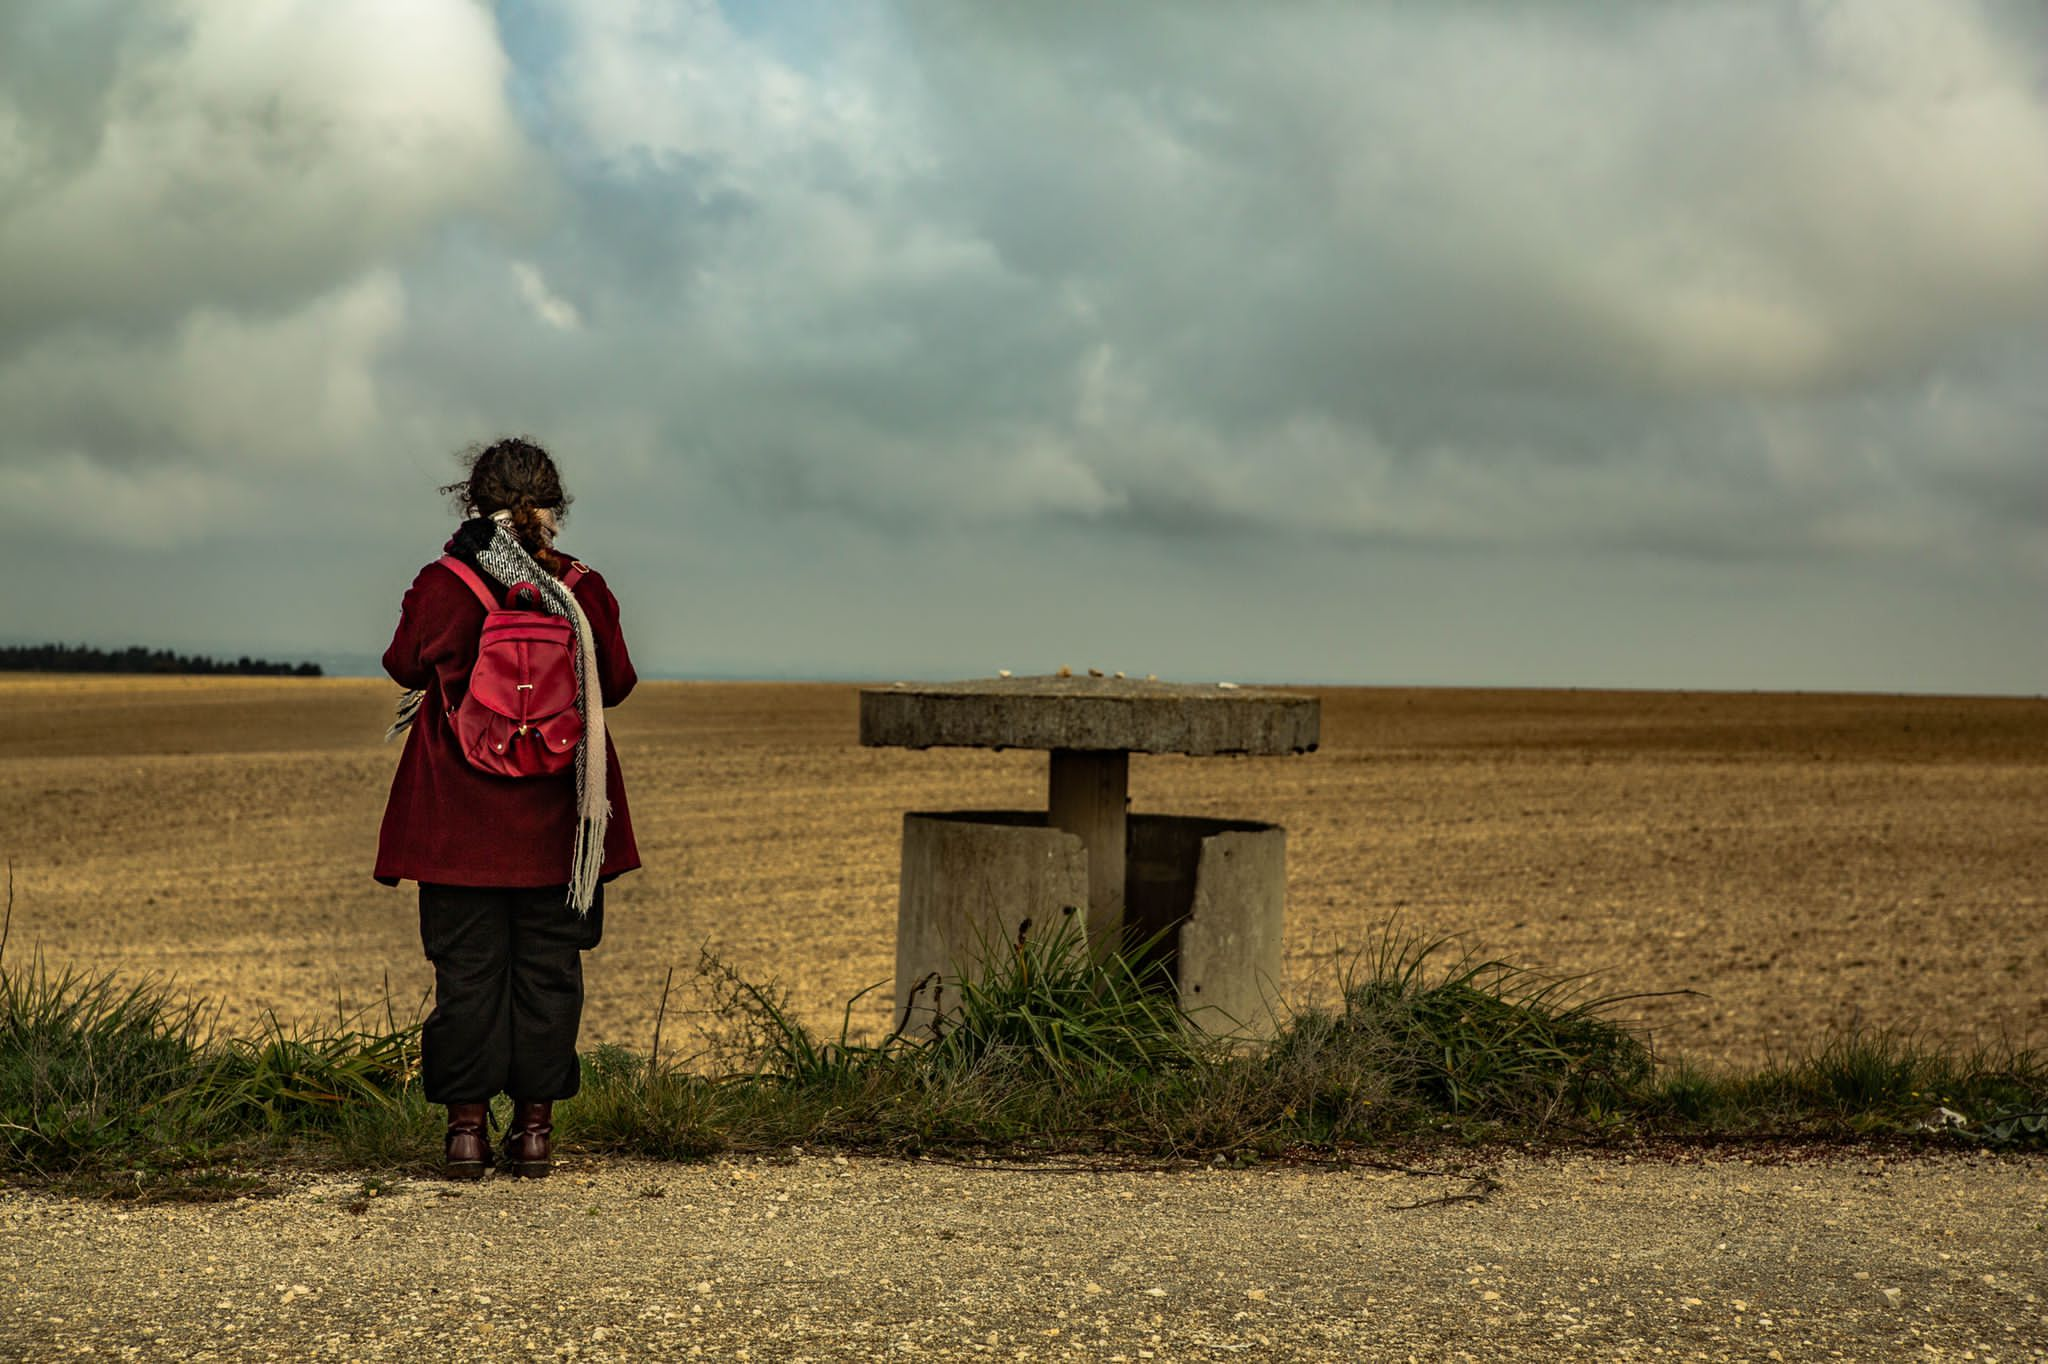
(403, 658)
(615, 675)
(437, 630)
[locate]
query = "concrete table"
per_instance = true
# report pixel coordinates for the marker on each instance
(971, 878)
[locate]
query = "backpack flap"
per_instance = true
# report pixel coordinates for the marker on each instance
(525, 665)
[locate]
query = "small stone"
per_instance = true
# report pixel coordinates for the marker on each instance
(1892, 1296)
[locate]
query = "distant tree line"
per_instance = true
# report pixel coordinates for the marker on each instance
(83, 658)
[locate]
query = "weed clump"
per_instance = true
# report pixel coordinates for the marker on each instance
(1050, 1050)
(1488, 1039)
(89, 1067)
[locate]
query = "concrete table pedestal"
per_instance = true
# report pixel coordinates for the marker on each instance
(1212, 892)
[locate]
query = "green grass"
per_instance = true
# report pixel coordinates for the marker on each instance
(123, 1090)
(88, 1066)
(1868, 1082)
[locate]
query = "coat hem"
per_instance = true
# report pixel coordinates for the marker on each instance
(387, 878)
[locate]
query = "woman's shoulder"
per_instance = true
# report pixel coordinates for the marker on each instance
(582, 568)
(435, 574)
(438, 591)
(591, 589)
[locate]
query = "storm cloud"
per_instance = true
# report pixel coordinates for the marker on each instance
(1678, 345)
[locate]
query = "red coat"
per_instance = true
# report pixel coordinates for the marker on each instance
(446, 821)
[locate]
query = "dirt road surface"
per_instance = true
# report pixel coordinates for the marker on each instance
(1848, 1257)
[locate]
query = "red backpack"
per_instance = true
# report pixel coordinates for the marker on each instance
(519, 717)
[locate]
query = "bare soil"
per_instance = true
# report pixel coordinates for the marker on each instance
(1803, 861)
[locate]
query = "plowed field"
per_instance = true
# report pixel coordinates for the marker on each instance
(1802, 861)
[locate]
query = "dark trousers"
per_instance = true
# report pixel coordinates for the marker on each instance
(508, 991)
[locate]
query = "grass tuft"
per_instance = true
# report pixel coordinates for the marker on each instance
(1044, 1006)
(120, 1089)
(88, 1066)
(290, 1080)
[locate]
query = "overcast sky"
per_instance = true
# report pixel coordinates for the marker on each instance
(1652, 345)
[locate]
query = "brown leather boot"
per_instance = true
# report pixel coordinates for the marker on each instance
(469, 1147)
(529, 1149)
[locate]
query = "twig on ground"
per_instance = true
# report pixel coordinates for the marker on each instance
(1482, 1188)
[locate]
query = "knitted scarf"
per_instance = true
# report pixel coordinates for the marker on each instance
(506, 560)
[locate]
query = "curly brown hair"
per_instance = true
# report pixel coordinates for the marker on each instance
(516, 475)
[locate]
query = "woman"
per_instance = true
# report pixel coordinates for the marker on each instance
(510, 868)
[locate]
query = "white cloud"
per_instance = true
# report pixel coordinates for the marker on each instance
(669, 81)
(547, 305)
(1686, 198)
(242, 153)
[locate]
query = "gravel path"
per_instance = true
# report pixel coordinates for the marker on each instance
(1847, 1257)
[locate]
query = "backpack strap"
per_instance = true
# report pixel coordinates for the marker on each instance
(476, 584)
(577, 568)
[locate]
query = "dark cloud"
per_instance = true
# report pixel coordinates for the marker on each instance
(1329, 293)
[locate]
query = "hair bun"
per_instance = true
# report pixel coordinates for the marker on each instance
(534, 525)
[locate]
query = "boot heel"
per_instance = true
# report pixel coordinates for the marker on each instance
(467, 1152)
(529, 1141)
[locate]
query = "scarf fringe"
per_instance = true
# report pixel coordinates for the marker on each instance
(408, 711)
(593, 808)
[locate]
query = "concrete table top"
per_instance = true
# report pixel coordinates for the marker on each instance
(1090, 714)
